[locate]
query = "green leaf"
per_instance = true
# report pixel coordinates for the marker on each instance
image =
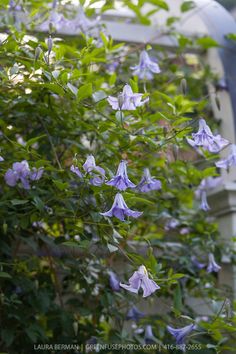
(34, 140)
(61, 185)
(5, 275)
(207, 42)
(18, 202)
(187, 6)
(84, 91)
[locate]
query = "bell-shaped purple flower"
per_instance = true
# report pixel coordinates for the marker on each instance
(146, 67)
(134, 314)
(127, 100)
(120, 209)
(180, 334)
(141, 280)
(229, 161)
(36, 173)
(148, 183)
(76, 170)
(97, 172)
(1, 159)
(20, 171)
(148, 336)
(114, 281)
(212, 265)
(121, 180)
(205, 139)
(196, 263)
(206, 184)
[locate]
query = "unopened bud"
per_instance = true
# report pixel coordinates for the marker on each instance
(49, 44)
(183, 86)
(165, 131)
(38, 52)
(175, 152)
(120, 101)
(75, 327)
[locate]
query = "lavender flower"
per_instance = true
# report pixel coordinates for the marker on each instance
(121, 180)
(76, 170)
(148, 183)
(20, 171)
(139, 280)
(171, 224)
(1, 159)
(196, 263)
(148, 336)
(36, 173)
(134, 314)
(229, 161)
(181, 333)
(127, 100)
(184, 231)
(206, 184)
(114, 281)
(205, 139)
(84, 23)
(120, 209)
(146, 67)
(212, 265)
(97, 172)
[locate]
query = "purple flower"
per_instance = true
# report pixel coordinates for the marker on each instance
(148, 183)
(146, 67)
(127, 100)
(148, 336)
(205, 139)
(84, 23)
(141, 280)
(196, 263)
(171, 224)
(121, 180)
(184, 231)
(181, 333)
(20, 172)
(134, 314)
(206, 184)
(230, 160)
(36, 173)
(114, 281)
(212, 265)
(120, 209)
(94, 171)
(1, 159)
(76, 170)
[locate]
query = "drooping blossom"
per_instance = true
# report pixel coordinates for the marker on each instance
(205, 185)
(114, 281)
(148, 183)
(171, 224)
(146, 67)
(230, 160)
(20, 172)
(121, 180)
(96, 172)
(141, 280)
(120, 209)
(205, 139)
(134, 314)
(212, 265)
(76, 170)
(127, 100)
(180, 334)
(148, 336)
(1, 159)
(196, 263)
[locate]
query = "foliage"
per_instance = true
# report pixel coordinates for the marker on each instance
(56, 248)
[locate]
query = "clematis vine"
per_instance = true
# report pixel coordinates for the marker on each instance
(120, 209)
(229, 161)
(201, 192)
(114, 281)
(20, 172)
(141, 280)
(97, 172)
(134, 314)
(121, 180)
(127, 100)
(205, 139)
(148, 183)
(212, 265)
(146, 67)
(180, 334)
